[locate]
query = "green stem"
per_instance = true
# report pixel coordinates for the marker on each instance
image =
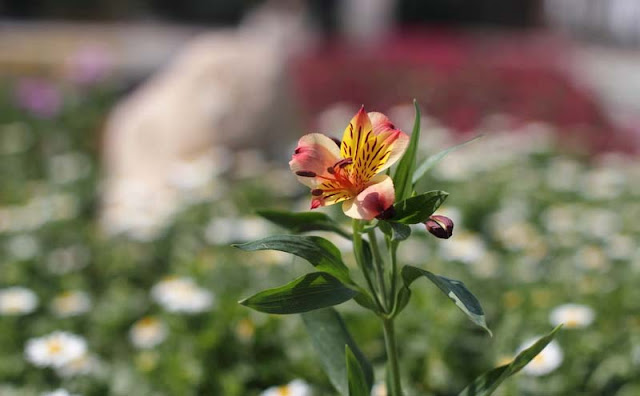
(393, 248)
(392, 357)
(379, 268)
(358, 252)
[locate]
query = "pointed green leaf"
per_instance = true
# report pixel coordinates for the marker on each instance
(303, 222)
(452, 288)
(358, 385)
(417, 209)
(321, 253)
(407, 165)
(397, 231)
(434, 159)
(488, 382)
(329, 335)
(311, 291)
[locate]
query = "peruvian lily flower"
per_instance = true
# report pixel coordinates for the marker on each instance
(350, 171)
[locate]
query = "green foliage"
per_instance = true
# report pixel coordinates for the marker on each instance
(330, 336)
(358, 385)
(312, 291)
(321, 253)
(454, 289)
(407, 164)
(488, 382)
(417, 209)
(303, 222)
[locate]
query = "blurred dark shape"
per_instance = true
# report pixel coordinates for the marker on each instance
(503, 13)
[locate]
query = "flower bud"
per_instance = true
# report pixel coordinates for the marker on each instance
(440, 226)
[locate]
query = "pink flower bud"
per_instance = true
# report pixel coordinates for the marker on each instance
(440, 226)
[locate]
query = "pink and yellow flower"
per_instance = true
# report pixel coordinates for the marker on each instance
(350, 171)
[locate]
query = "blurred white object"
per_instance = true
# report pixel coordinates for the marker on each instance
(549, 359)
(148, 332)
(226, 89)
(56, 349)
(59, 392)
(573, 316)
(71, 303)
(17, 300)
(366, 21)
(296, 387)
(181, 295)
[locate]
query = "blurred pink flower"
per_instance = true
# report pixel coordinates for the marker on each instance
(89, 65)
(40, 97)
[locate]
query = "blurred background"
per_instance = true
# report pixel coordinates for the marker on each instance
(137, 139)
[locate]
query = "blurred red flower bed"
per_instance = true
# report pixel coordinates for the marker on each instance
(459, 78)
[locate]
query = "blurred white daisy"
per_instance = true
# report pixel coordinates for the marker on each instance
(603, 183)
(23, 247)
(546, 361)
(71, 303)
(148, 332)
(296, 387)
(55, 350)
(17, 300)
(563, 174)
(379, 389)
(465, 246)
(573, 316)
(181, 295)
(82, 365)
(59, 392)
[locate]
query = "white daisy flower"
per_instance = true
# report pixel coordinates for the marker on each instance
(573, 316)
(181, 295)
(71, 303)
(148, 332)
(17, 300)
(59, 392)
(55, 350)
(546, 361)
(296, 387)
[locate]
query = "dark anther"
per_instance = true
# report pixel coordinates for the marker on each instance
(316, 192)
(306, 173)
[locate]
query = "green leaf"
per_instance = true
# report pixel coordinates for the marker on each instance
(417, 209)
(321, 253)
(358, 385)
(397, 231)
(303, 222)
(311, 291)
(407, 165)
(329, 335)
(452, 288)
(434, 159)
(488, 382)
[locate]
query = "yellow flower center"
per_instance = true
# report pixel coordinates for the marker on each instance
(54, 347)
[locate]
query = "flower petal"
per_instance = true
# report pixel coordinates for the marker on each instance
(373, 200)
(315, 153)
(393, 139)
(372, 144)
